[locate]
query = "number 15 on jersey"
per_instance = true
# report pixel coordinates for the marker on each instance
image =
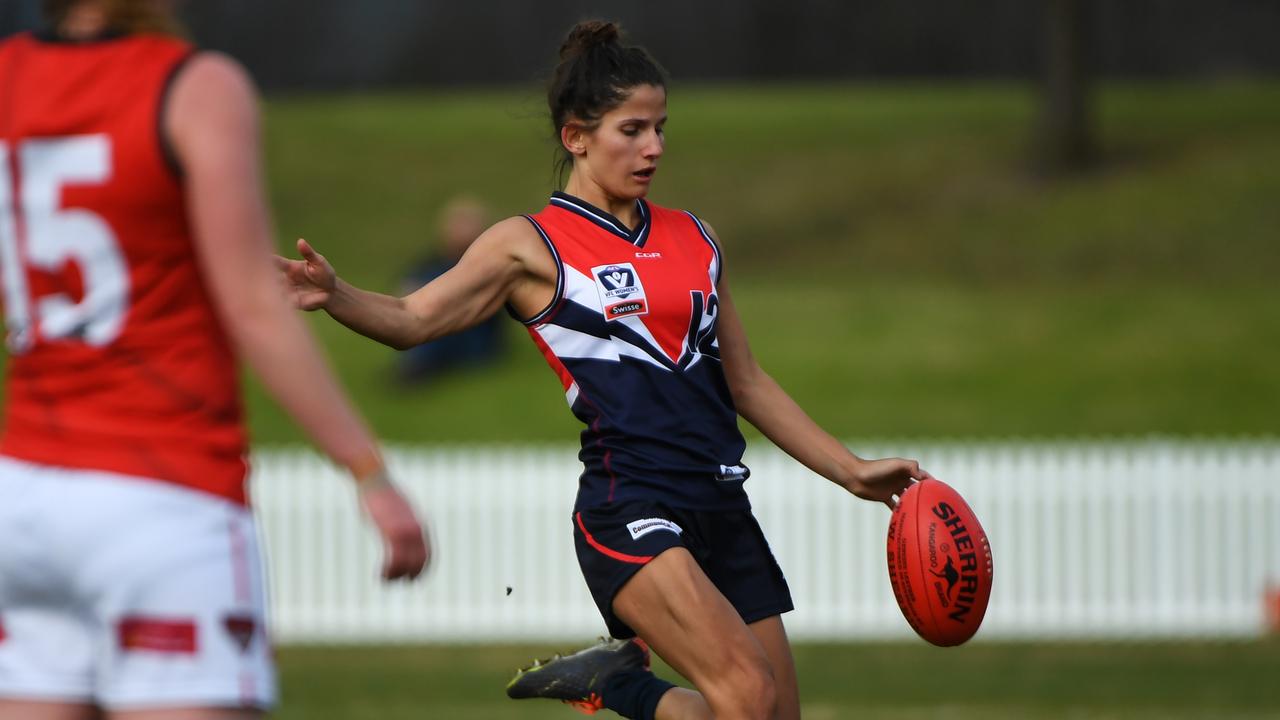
(36, 233)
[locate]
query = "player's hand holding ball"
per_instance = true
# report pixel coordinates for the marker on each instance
(884, 480)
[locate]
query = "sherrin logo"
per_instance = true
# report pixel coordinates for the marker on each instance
(621, 293)
(967, 574)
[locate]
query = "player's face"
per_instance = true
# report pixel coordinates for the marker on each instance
(621, 154)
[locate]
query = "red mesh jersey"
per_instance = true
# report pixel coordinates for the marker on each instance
(117, 361)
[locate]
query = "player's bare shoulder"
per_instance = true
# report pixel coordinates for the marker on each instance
(209, 79)
(515, 241)
(516, 238)
(711, 233)
(211, 103)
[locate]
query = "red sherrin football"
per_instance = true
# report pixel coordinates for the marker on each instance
(939, 563)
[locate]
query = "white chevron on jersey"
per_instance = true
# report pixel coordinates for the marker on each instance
(581, 290)
(568, 343)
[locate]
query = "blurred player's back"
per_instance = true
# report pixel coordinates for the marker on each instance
(118, 361)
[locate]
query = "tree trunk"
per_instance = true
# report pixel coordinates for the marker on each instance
(1065, 135)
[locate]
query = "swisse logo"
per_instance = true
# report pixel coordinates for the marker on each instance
(965, 578)
(626, 308)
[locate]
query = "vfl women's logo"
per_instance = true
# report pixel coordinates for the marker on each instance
(621, 294)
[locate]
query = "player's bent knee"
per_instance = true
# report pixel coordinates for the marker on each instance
(746, 690)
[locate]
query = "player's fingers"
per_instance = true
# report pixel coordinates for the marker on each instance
(393, 568)
(414, 562)
(291, 269)
(405, 556)
(388, 560)
(421, 555)
(310, 300)
(914, 471)
(397, 561)
(309, 253)
(316, 271)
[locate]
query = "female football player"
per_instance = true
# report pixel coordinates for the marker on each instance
(629, 304)
(137, 275)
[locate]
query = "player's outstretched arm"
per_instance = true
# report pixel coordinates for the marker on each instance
(506, 260)
(212, 123)
(763, 403)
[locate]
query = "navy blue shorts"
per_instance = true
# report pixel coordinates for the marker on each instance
(615, 541)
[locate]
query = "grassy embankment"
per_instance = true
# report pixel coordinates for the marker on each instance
(899, 269)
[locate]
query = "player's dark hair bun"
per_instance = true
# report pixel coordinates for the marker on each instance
(588, 34)
(596, 74)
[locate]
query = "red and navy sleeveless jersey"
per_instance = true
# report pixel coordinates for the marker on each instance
(117, 360)
(631, 333)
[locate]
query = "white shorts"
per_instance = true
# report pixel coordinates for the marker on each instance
(128, 593)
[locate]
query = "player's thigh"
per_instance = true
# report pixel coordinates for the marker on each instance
(128, 593)
(186, 714)
(40, 710)
(174, 582)
(674, 607)
(772, 636)
(47, 637)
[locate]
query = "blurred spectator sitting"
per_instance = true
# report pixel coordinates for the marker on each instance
(461, 221)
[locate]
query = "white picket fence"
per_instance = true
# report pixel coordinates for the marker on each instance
(1090, 540)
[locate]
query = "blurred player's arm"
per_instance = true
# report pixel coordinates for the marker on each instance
(508, 262)
(211, 120)
(763, 403)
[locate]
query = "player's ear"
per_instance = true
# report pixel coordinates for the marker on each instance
(574, 138)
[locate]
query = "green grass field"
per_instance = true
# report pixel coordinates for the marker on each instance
(983, 681)
(899, 268)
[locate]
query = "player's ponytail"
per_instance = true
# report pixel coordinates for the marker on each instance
(596, 73)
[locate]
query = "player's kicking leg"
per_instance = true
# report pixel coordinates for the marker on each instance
(695, 629)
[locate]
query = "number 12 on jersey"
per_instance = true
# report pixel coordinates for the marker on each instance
(32, 177)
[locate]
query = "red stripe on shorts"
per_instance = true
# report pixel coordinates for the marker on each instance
(165, 636)
(239, 563)
(636, 559)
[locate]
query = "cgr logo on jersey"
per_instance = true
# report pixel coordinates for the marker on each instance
(621, 294)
